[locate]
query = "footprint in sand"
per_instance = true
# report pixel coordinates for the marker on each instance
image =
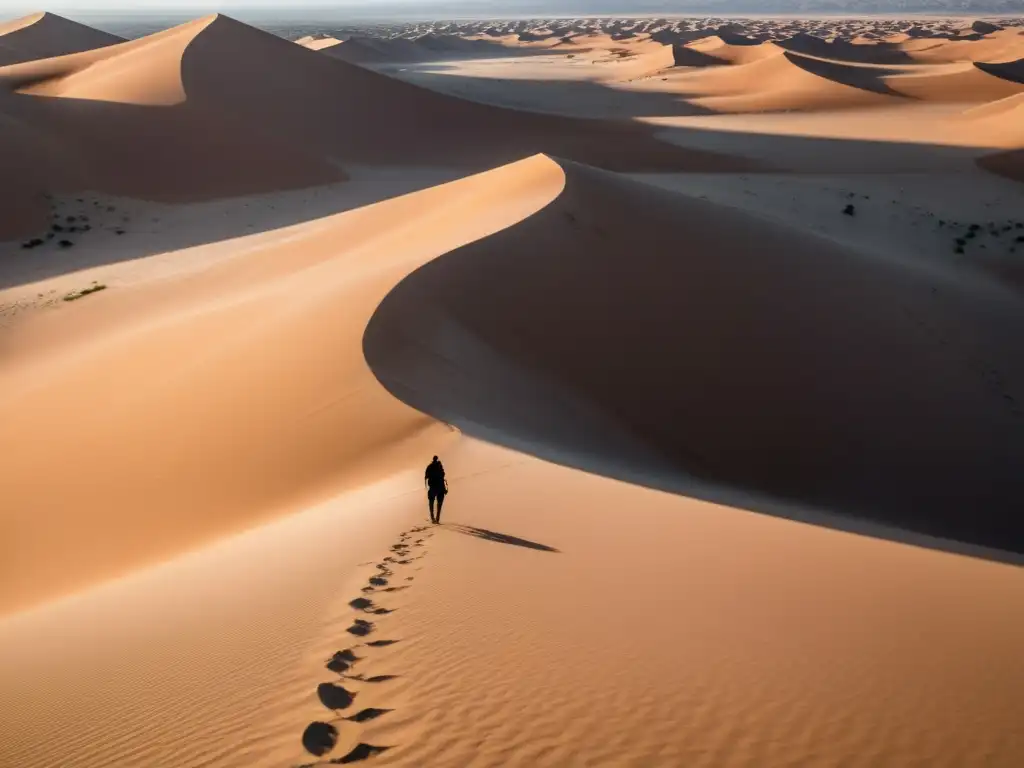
(319, 738)
(342, 661)
(367, 606)
(334, 696)
(361, 628)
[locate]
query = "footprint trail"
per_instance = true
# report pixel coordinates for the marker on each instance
(321, 737)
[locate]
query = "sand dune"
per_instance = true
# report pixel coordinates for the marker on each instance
(183, 459)
(135, 120)
(997, 123)
(786, 81)
(848, 51)
(168, 117)
(44, 35)
(370, 50)
(733, 438)
(601, 421)
(315, 43)
(1004, 45)
(736, 52)
(958, 83)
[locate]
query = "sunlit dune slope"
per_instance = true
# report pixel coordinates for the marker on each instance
(43, 35)
(967, 82)
(736, 52)
(183, 411)
(999, 123)
(704, 350)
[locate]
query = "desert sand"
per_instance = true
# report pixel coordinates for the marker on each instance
(714, 324)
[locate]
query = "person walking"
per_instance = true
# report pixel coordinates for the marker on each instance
(437, 487)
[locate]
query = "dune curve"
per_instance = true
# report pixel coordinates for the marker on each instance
(705, 351)
(242, 391)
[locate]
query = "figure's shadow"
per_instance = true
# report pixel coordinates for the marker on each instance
(500, 538)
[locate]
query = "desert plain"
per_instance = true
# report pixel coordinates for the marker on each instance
(714, 323)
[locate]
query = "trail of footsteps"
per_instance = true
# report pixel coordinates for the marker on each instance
(321, 736)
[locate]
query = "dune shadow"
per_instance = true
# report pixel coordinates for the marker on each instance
(862, 78)
(375, 678)
(365, 715)
(359, 753)
(883, 422)
(806, 153)
(560, 97)
(498, 538)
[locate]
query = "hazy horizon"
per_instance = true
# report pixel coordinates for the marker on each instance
(427, 9)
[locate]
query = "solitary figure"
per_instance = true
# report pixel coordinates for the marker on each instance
(437, 487)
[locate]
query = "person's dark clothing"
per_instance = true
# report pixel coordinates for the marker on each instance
(436, 488)
(434, 474)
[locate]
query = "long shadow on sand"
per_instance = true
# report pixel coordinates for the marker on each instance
(572, 98)
(499, 538)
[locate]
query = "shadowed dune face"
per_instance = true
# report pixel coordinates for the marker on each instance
(693, 348)
(379, 120)
(43, 35)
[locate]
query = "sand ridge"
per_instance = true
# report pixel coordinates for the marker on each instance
(44, 35)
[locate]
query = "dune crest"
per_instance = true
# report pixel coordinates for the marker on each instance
(648, 359)
(183, 459)
(44, 35)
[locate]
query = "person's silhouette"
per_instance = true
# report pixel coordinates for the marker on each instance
(437, 487)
